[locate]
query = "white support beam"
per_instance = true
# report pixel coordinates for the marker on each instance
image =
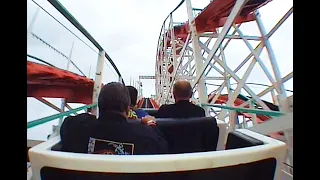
(197, 54)
(234, 13)
(257, 58)
(281, 21)
(236, 78)
(180, 59)
(257, 49)
(225, 75)
(215, 35)
(173, 42)
(282, 123)
(221, 49)
(219, 90)
(236, 92)
(283, 104)
(284, 79)
(253, 116)
(98, 81)
(31, 25)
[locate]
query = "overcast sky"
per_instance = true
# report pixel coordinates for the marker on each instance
(128, 30)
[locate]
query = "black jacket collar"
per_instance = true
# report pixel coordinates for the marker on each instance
(110, 116)
(183, 102)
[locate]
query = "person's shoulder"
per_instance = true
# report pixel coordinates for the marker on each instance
(80, 120)
(164, 110)
(198, 109)
(82, 116)
(166, 106)
(196, 106)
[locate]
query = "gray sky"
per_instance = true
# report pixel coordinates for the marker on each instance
(128, 30)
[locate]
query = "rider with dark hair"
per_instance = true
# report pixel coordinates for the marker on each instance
(135, 112)
(111, 133)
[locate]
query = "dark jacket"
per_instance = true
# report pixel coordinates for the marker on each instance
(181, 109)
(115, 130)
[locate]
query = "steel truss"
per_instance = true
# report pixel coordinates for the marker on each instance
(203, 54)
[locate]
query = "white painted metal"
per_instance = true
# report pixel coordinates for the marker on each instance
(235, 11)
(146, 77)
(196, 54)
(210, 64)
(31, 143)
(31, 26)
(282, 97)
(98, 81)
(63, 101)
(283, 123)
(41, 155)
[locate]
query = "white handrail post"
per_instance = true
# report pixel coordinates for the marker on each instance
(98, 81)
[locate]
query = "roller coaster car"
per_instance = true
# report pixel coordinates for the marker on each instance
(247, 155)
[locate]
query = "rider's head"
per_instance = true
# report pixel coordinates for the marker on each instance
(182, 90)
(114, 97)
(133, 92)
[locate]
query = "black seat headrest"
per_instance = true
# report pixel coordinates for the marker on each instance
(189, 121)
(238, 140)
(186, 135)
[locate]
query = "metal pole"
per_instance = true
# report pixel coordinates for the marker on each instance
(98, 80)
(31, 26)
(69, 58)
(89, 71)
(282, 97)
(233, 14)
(197, 54)
(175, 63)
(63, 101)
(120, 79)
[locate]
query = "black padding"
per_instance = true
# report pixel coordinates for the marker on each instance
(259, 170)
(75, 132)
(190, 135)
(57, 147)
(239, 140)
(151, 112)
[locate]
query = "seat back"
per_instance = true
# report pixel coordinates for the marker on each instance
(171, 129)
(254, 162)
(238, 140)
(75, 132)
(198, 134)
